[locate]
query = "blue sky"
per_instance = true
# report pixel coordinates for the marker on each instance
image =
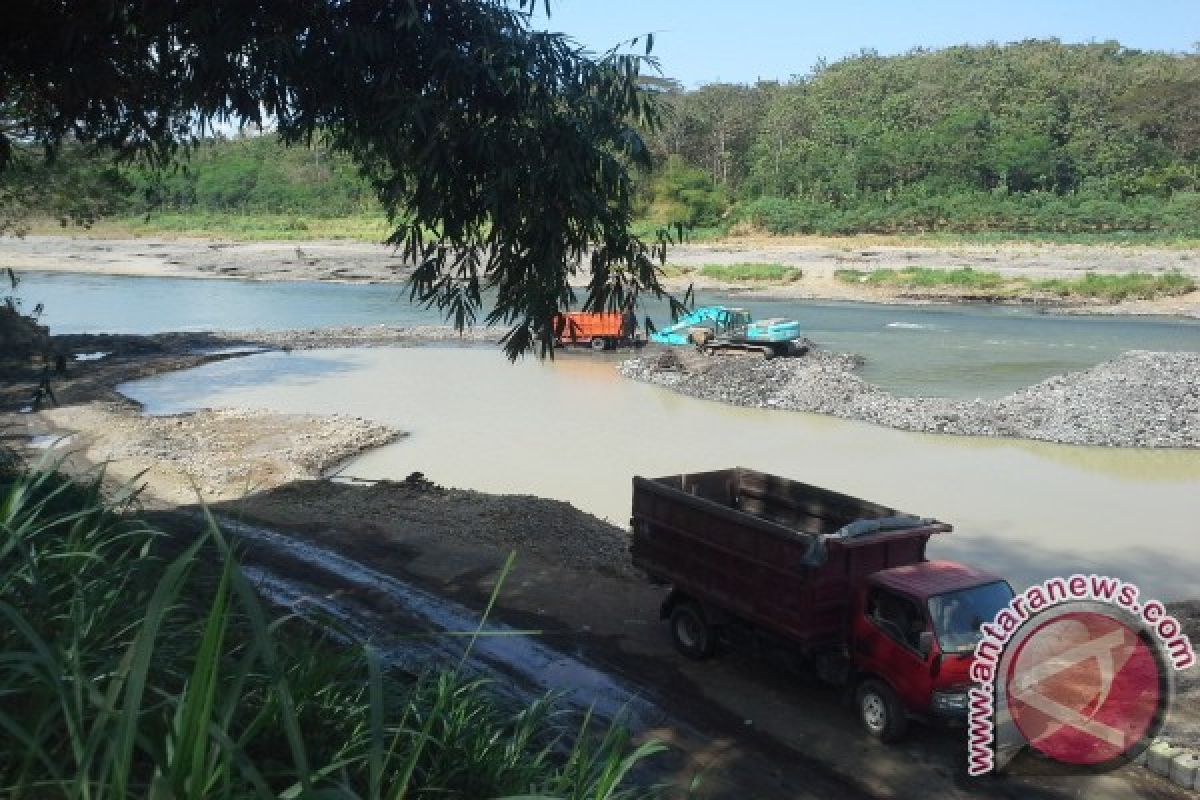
(701, 41)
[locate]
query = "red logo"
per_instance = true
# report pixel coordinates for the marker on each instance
(1085, 688)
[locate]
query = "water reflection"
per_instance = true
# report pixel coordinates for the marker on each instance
(576, 431)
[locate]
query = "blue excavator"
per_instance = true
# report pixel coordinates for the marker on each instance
(715, 329)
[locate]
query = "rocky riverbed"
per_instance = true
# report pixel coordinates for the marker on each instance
(241, 342)
(1140, 399)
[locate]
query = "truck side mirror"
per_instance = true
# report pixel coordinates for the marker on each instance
(925, 643)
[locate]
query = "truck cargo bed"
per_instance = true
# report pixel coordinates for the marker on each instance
(777, 552)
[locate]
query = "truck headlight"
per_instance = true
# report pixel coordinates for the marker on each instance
(949, 702)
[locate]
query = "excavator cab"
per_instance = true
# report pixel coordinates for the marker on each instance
(732, 321)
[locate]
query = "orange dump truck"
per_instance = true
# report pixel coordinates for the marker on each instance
(599, 331)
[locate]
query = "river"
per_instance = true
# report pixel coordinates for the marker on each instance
(575, 430)
(954, 351)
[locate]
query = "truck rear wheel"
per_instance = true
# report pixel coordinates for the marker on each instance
(598, 343)
(880, 711)
(691, 632)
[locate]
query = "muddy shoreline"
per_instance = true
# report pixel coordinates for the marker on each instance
(816, 260)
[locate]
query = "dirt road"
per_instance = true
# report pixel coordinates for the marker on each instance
(750, 724)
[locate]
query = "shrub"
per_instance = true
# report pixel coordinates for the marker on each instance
(916, 211)
(679, 193)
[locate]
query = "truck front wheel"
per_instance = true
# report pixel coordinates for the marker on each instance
(691, 632)
(880, 711)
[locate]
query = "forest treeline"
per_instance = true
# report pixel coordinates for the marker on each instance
(1036, 136)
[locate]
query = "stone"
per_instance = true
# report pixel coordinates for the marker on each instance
(1185, 769)
(1159, 758)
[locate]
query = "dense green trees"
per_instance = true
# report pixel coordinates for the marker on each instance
(257, 175)
(74, 187)
(1030, 137)
(501, 153)
(1092, 125)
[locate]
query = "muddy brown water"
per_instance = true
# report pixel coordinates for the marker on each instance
(576, 431)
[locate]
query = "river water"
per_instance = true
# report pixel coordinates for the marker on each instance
(953, 351)
(575, 430)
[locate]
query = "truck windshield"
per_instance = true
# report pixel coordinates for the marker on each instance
(957, 616)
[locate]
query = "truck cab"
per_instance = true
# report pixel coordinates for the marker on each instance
(912, 637)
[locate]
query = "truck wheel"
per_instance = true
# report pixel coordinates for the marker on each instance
(598, 343)
(880, 711)
(693, 637)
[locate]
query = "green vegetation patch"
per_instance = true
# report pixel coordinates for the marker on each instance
(926, 278)
(751, 272)
(136, 663)
(1093, 286)
(958, 140)
(952, 145)
(1129, 286)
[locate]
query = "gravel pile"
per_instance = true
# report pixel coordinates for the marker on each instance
(297, 339)
(406, 512)
(365, 335)
(1141, 399)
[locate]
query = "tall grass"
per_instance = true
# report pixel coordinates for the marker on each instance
(925, 278)
(134, 665)
(750, 272)
(1129, 286)
(1111, 288)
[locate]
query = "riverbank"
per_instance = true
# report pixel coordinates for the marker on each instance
(810, 267)
(221, 456)
(208, 455)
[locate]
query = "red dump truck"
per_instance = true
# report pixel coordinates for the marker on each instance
(753, 558)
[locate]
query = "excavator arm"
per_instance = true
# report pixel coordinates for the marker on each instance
(677, 332)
